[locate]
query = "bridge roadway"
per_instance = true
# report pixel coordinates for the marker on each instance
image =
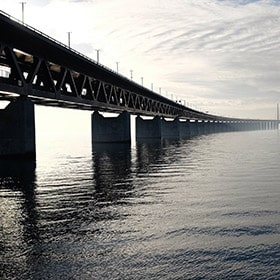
(48, 72)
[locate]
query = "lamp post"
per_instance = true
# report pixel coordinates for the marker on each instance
(69, 38)
(97, 55)
(117, 66)
(22, 11)
(277, 115)
(131, 76)
(142, 81)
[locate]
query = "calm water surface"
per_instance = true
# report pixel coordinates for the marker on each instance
(202, 208)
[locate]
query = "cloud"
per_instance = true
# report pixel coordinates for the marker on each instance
(231, 50)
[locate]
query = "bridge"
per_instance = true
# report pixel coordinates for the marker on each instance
(37, 69)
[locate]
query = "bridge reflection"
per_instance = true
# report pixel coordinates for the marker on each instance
(18, 216)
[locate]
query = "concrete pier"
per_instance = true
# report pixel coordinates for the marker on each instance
(17, 129)
(193, 128)
(201, 128)
(110, 129)
(159, 128)
(150, 128)
(170, 129)
(184, 129)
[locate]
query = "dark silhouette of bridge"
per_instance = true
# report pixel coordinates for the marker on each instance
(36, 69)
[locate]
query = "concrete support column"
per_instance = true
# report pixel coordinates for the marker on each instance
(235, 126)
(215, 127)
(111, 129)
(250, 125)
(239, 126)
(208, 127)
(184, 128)
(193, 128)
(256, 126)
(200, 127)
(218, 126)
(170, 129)
(148, 128)
(224, 126)
(17, 129)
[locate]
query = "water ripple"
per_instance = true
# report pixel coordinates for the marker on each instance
(200, 208)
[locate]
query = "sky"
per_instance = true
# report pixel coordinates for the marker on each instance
(220, 56)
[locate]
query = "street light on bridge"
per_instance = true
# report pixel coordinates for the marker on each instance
(131, 76)
(97, 55)
(69, 38)
(22, 11)
(117, 66)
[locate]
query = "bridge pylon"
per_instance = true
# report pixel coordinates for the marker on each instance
(110, 129)
(17, 129)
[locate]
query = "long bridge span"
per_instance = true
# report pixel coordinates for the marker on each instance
(37, 69)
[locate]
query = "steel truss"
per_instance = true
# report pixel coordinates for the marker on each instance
(49, 83)
(33, 64)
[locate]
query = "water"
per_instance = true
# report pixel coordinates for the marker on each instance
(201, 208)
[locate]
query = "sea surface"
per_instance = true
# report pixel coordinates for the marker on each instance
(201, 208)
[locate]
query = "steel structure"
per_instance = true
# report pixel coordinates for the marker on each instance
(51, 73)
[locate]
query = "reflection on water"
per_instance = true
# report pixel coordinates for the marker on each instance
(112, 172)
(18, 217)
(150, 152)
(200, 208)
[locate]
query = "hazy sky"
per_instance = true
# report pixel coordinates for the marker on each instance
(219, 55)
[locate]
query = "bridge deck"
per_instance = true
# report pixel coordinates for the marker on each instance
(52, 74)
